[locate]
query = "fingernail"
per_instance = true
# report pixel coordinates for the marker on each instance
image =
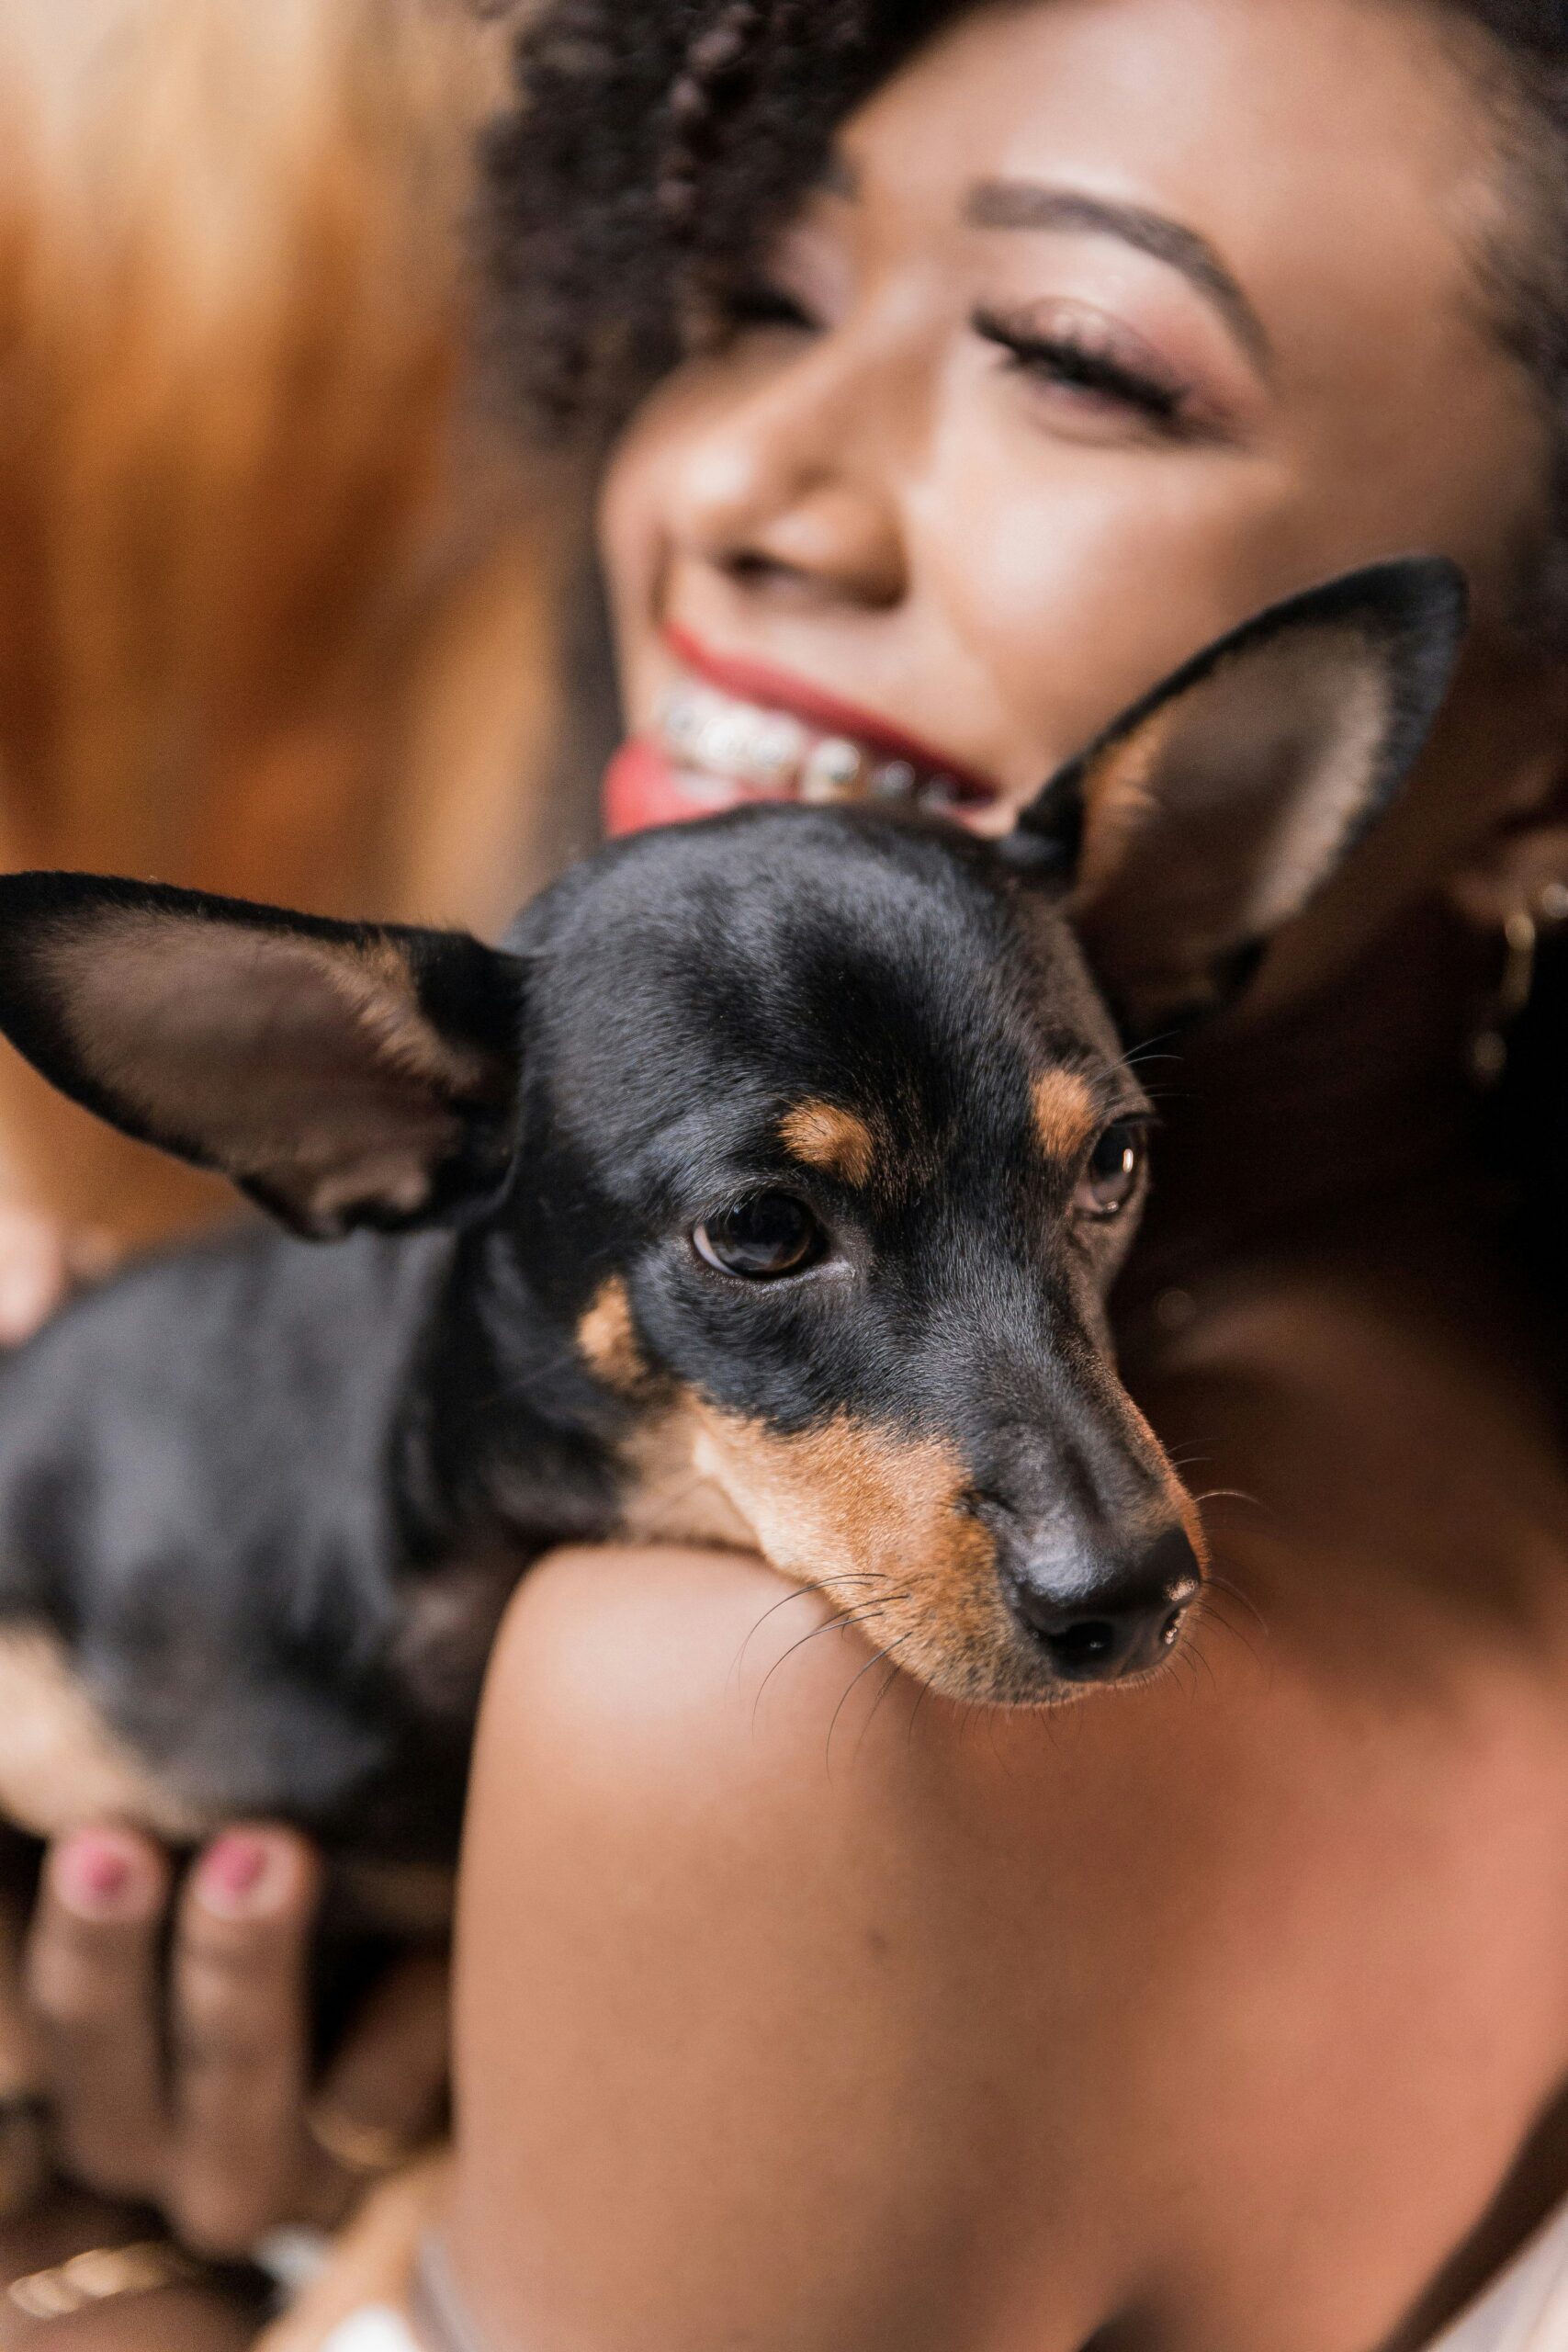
(96, 1874)
(233, 1873)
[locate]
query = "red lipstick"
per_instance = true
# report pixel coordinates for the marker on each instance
(758, 682)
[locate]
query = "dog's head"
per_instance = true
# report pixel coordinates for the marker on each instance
(811, 1127)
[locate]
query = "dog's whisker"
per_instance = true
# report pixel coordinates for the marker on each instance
(1233, 1495)
(1212, 1614)
(876, 1659)
(834, 1624)
(1226, 1584)
(1197, 1657)
(894, 1672)
(801, 1592)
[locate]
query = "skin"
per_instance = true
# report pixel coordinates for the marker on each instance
(988, 2033)
(875, 498)
(1166, 2024)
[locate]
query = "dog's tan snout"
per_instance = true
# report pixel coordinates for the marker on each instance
(1104, 1620)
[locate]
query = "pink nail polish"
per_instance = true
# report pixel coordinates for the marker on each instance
(233, 1870)
(95, 1874)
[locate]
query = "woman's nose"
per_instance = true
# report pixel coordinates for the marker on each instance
(785, 496)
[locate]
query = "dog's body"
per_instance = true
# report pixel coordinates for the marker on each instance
(201, 1505)
(791, 1157)
(242, 1487)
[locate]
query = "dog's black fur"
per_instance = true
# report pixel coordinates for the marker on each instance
(261, 1503)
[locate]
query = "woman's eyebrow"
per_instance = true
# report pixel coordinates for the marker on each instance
(1028, 204)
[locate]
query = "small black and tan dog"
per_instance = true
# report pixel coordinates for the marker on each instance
(765, 1184)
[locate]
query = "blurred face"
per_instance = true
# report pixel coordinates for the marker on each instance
(1115, 321)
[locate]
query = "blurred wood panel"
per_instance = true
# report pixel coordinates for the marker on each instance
(276, 602)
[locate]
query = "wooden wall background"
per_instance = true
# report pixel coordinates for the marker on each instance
(277, 603)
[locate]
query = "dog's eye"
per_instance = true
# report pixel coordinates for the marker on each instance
(771, 1234)
(1112, 1176)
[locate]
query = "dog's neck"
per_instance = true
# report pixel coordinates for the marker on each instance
(506, 1438)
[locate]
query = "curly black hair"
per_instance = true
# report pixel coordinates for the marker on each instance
(656, 142)
(656, 145)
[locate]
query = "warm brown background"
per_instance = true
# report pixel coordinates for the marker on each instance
(277, 593)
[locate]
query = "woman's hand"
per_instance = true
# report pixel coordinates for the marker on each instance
(185, 2315)
(174, 2018)
(175, 2025)
(40, 1261)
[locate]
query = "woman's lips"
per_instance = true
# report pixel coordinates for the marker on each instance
(730, 730)
(750, 681)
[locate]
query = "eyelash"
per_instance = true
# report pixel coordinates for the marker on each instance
(1061, 359)
(1065, 359)
(760, 305)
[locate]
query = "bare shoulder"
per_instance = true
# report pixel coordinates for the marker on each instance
(699, 1943)
(639, 1674)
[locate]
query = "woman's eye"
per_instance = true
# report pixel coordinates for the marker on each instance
(758, 304)
(1079, 355)
(760, 1239)
(1112, 1176)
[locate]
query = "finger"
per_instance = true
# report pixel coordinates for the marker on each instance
(239, 2037)
(35, 1270)
(385, 2092)
(93, 1984)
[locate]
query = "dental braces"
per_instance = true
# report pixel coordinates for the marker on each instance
(711, 732)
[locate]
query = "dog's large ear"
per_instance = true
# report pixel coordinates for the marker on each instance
(342, 1074)
(1210, 813)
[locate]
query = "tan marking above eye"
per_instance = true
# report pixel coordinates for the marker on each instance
(606, 1337)
(1066, 1116)
(836, 1141)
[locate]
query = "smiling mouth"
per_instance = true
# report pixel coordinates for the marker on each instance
(713, 738)
(728, 729)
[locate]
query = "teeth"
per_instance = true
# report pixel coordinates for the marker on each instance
(893, 780)
(939, 795)
(704, 731)
(723, 741)
(679, 723)
(832, 770)
(779, 745)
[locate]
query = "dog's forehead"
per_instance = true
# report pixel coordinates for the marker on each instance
(790, 955)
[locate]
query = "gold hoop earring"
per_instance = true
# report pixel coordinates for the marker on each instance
(1487, 1053)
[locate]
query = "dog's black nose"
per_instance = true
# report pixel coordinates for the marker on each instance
(1114, 1623)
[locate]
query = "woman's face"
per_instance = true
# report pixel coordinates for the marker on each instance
(1118, 320)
